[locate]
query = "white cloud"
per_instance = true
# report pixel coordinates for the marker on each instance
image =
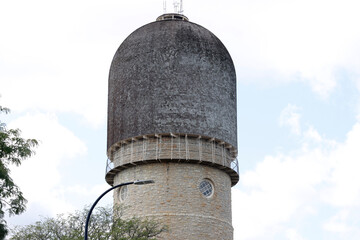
(292, 234)
(66, 59)
(300, 40)
(312, 135)
(344, 179)
(278, 188)
(38, 177)
(57, 61)
(290, 187)
(344, 224)
(290, 117)
(337, 223)
(84, 191)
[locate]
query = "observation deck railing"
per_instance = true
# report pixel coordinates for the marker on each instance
(172, 148)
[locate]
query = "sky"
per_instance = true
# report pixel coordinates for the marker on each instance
(298, 97)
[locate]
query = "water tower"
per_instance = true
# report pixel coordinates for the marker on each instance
(172, 118)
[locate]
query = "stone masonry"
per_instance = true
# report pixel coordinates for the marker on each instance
(175, 199)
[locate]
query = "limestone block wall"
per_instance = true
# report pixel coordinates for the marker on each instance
(175, 199)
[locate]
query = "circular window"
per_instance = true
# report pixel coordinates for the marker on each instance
(206, 188)
(123, 193)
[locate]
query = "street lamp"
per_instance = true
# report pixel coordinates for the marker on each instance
(137, 182)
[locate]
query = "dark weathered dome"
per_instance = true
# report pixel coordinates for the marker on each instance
(174, 76)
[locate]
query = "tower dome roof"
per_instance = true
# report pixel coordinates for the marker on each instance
(172, 76)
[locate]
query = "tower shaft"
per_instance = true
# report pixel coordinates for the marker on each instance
(179, 165)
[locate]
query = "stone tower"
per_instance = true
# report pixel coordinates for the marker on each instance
(172, 119)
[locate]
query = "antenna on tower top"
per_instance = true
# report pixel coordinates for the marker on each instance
(181, 7)
(164, 6)
(178, 6)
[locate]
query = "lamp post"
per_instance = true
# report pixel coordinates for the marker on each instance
(137, 182)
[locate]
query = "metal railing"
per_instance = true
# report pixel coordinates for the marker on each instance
(109, 166)
(172, 147)
(234, 165)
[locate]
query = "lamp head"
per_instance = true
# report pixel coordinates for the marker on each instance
(142, 182)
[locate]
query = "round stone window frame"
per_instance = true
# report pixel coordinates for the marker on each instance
(204, 186)
(123, 193)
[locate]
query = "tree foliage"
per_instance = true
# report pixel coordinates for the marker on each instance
(13, 149)
(106, 223)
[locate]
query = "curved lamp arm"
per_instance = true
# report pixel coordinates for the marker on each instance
(137, 182)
